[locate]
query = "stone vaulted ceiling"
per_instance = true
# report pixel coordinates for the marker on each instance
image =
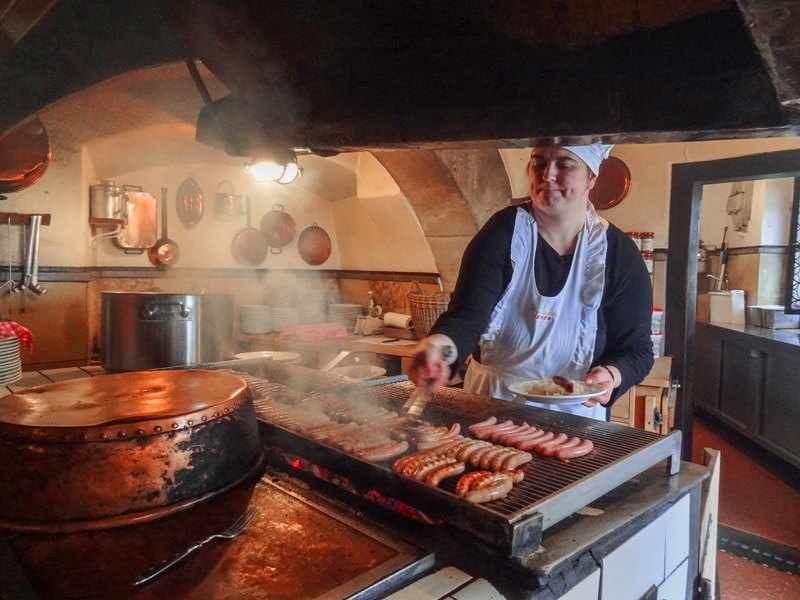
(334, 75)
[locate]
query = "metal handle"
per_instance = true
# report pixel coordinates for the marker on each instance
(158, 570)
(151, 309)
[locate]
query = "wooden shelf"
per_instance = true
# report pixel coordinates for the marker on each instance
(99, 222)
(21, 218)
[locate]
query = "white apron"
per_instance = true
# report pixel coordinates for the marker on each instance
(531, 336)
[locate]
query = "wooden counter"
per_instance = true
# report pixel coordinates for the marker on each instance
(318, 353)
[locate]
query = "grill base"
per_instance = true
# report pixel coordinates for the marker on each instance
(550, 492)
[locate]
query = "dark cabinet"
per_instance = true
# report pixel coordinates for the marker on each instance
(752, 383)
(780, 413)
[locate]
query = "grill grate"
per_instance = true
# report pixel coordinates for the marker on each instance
(551, 489)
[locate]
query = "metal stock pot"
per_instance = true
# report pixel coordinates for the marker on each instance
(123, 448)
(149, 330)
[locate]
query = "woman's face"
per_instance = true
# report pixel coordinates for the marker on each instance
(559, 181)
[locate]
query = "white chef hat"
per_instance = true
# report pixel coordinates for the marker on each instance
(592, 154)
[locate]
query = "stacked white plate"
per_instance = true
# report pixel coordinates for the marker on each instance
(345, 314)
(313, 305)
(284, 317)
(10, 363)
(255, 318)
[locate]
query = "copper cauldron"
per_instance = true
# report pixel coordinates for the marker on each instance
(123, 448)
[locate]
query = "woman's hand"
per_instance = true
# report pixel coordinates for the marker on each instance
(609, 377)
(430, 365)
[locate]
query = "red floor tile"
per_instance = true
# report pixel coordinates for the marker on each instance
(741, 579)
(758, 494)
(752, 497)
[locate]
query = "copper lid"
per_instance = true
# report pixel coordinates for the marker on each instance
(121, 405)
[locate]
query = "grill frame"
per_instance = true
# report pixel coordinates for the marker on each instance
(514, 524)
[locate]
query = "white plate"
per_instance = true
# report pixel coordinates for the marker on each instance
(594, 389)
(290, 357)
(360, 371)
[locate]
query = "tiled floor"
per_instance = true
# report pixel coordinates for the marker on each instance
(759, 494)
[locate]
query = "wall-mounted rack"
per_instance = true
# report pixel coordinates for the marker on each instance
(117, 224)
(21, 218)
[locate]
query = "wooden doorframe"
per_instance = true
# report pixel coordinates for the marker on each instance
(685, 204)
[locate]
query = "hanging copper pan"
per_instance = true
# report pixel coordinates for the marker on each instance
(165, 252)
(314, 245)
(249, 247)
(613, 183)
(278, 227)
(24, 156)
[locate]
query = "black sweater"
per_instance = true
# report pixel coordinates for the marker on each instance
(623, 324)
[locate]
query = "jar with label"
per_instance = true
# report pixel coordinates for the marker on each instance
(634, 235)
(658, 317)
(647, 241)
(655, 339)
(647, 257)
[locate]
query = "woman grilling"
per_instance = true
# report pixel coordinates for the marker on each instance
(547, 288)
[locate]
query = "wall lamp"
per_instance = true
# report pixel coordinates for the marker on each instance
(274, 166)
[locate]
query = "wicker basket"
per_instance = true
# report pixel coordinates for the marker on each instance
(425, 307)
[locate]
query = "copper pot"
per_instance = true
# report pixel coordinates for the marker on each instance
(117, 449)
(278, 227)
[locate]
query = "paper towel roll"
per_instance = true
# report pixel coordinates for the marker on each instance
(398, 320)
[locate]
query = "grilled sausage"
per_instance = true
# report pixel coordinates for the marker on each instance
(551, 450)
(484, 433)
(485, 423)
(516, 474)
(521, 431)
(556, 441)
(402, 463)
(421, 471)
(467, 481)
(467, 451)
(475, 457)
(435, 444)
(497, 460)
(486, 458)
(567, 384)
(516, 429)
(496, 490)
(439, 474)
(516, 460)
(456, 448)
(526, 438)
(584, 448)
(444, 447)
(533, 442)
(383, 452)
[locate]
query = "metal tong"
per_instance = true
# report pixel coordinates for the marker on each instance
(30, 277)
(419, 399)
(422, 394)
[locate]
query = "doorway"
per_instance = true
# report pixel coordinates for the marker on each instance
(686, 193)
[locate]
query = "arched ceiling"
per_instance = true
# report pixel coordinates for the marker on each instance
(342, 75)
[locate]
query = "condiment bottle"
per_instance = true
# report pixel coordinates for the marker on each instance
(647, 241)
